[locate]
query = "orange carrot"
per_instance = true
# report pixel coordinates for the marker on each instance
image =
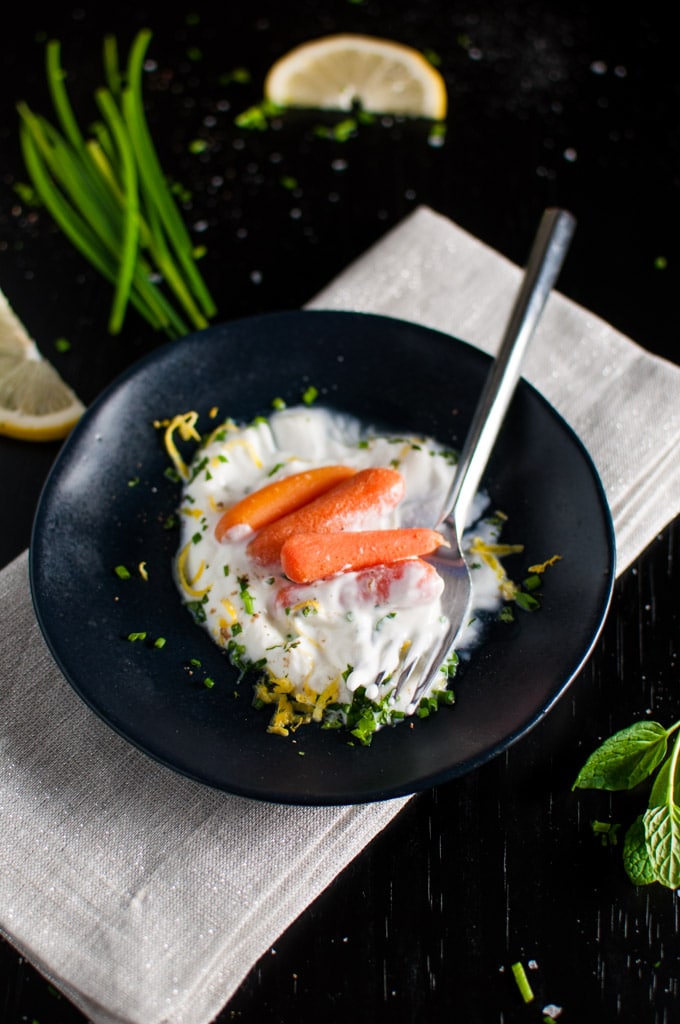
(306, 557)
(281, 497)
(347, 504)
(403, 584)
(400, 584)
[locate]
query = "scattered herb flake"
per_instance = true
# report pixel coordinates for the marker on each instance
(522, 981)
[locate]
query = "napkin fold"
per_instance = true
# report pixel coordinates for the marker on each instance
(145, 897)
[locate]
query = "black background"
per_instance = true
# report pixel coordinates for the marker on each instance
(573, 104)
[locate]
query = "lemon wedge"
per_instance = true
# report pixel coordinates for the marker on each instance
(338, 71)
(35, 403)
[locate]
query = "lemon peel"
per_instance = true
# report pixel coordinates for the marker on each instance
(188, 584)
(183, 423)
(336, 72)
(36, 404)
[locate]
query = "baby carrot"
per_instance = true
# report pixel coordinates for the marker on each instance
(306, 557)
(349, 503)
(281, 497)
(403, 584)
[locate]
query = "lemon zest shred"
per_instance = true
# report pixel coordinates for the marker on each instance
(294, 708)
(481, 547)
(309, 701)
(490, 555)
(283, 719)
(226, 425)
(185, 424)
(508, 589)
(276, 691)
(143, 571)
(186, 583)
(231, 611)
(195, 513)
(542, 566)
(301, 605)
(241, 442)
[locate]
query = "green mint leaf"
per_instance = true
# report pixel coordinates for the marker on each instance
(662, 837)
(625, 759)
(659, 793)
(636, 860)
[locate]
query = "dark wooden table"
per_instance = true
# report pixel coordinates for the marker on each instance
(566, 103)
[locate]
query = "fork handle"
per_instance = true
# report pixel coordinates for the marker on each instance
(543, 266)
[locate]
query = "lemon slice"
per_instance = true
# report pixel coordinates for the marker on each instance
(35, 403)
(336, 72)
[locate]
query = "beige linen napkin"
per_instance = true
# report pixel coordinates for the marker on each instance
(145, 897)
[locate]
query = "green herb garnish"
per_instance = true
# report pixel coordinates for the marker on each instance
(651, 847)
(520, 976)
(245, 595)
(257, 117)
(109, 196)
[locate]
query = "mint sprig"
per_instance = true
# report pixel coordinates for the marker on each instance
(640, 752)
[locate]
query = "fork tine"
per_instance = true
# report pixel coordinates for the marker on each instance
(404, 676)
(430, 669)
(427, 669)
(428, 676)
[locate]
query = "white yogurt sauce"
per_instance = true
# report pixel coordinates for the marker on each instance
(318, 644)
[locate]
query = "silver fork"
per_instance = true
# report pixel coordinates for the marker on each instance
(543, 266)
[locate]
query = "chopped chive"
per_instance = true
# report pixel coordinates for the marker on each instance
(246, 596)
(523, 985)
(526, 601)
(122, 572)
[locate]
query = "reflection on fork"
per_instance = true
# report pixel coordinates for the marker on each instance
(545, 261)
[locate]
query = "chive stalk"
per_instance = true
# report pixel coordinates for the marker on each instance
(522, 981)
(109, 196)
